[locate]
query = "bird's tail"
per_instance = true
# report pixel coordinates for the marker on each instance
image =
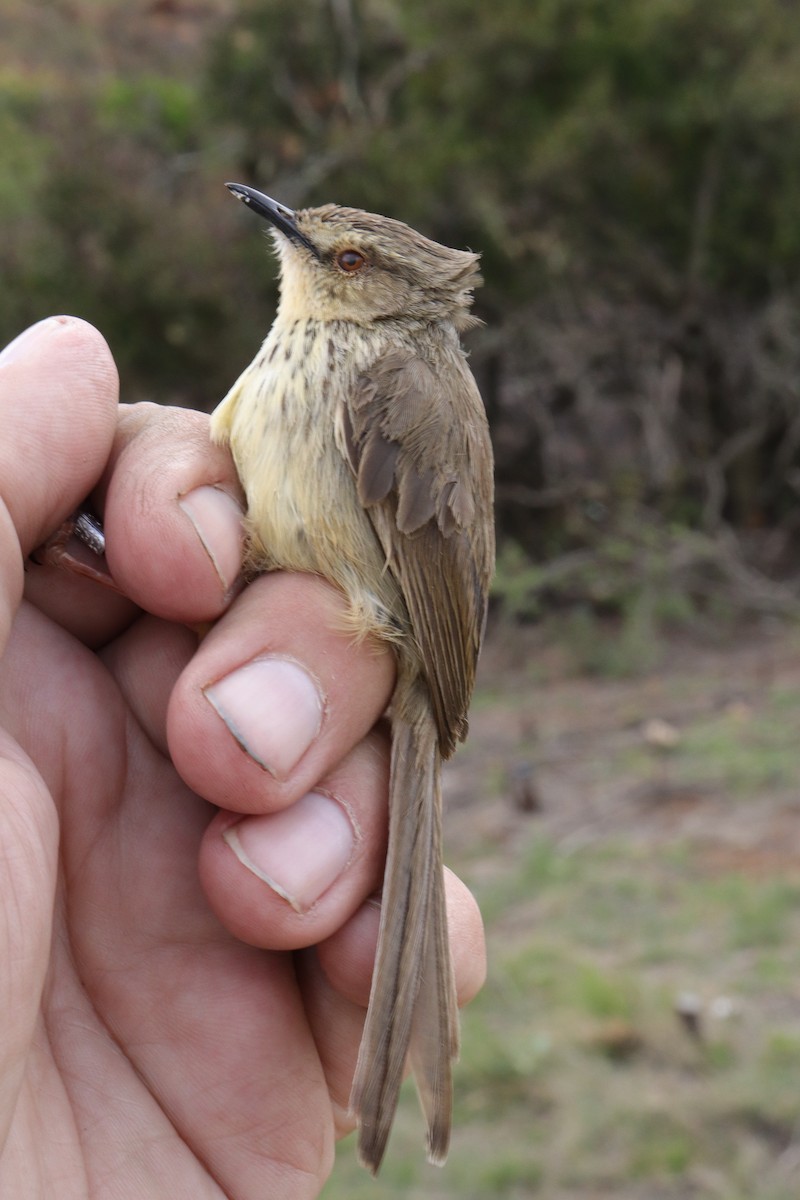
(412, 1008)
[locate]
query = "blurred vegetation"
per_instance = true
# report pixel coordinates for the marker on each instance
(630, 172)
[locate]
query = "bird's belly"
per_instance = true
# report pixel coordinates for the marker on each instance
(303, 511)
(300, 504)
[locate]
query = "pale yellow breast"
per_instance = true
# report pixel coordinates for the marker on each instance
(303, 509)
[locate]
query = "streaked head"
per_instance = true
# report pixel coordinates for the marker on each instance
(346, 264)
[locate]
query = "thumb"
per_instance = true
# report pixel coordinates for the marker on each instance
(58, 404)
(58, 399)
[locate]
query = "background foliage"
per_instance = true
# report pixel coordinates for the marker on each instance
(630, 172)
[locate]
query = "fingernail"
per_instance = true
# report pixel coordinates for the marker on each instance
(217, 521)
(22, 343)
(299, 852)
(273, 708)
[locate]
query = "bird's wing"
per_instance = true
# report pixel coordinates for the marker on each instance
(418, 443)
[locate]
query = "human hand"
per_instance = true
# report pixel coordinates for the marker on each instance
(168, 1028)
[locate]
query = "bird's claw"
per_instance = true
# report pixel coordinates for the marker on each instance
(78, 546)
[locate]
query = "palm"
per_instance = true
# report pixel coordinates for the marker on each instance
(157, 1027)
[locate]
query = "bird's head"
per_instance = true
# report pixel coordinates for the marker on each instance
(348, 265)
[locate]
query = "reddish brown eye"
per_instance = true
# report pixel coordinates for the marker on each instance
(350, 261)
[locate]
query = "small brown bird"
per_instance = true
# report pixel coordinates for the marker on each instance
(362, 444)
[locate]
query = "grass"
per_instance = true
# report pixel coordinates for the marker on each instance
(737, 747)
(578, 1080)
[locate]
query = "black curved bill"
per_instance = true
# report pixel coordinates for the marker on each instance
(279, 215)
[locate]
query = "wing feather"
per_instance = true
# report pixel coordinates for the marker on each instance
(418, 443)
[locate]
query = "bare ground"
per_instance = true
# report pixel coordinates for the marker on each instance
(635, 846)
(587, 758)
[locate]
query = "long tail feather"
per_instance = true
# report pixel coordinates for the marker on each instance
(412, 1004)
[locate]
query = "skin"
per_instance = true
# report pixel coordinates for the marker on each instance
(363, 447)
(167, 1029)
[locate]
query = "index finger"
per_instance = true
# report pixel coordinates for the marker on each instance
(172, 511)
(172, 519)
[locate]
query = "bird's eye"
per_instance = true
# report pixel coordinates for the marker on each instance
(350, 261)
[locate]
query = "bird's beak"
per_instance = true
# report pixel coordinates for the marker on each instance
(279, 215)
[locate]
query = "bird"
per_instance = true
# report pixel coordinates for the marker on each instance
(362, 445)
